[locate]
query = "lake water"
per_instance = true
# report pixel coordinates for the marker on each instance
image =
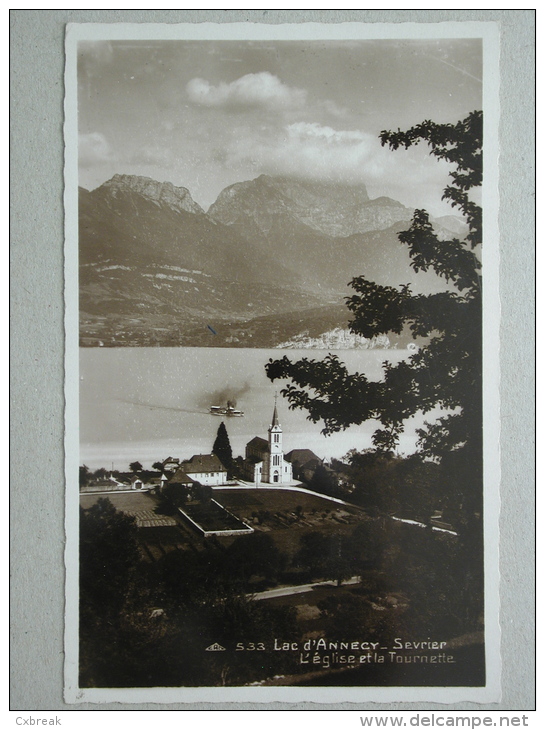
(149, 403)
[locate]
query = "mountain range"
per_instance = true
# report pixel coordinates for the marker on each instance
(271, 258)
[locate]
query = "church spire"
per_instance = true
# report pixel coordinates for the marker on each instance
(275, 413)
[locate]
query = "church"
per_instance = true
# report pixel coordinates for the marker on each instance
(265, 460)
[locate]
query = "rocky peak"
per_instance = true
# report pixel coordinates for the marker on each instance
(162, 194)
(333, 209)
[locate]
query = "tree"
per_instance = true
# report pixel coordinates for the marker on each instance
(175, 493)
(255, 555)
(204, 492)
(372, 474)
(158, 465)
(445, 373)
(84, 475)
(109, 557)
(222, 447)
(135, 466)
(120, 643)
(324, 480)
(313, 551)
(325, 556)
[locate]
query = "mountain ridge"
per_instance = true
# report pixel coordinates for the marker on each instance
(165, 193)
(332, 209)
(155, 268)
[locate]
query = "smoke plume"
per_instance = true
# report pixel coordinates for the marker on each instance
(222, 395)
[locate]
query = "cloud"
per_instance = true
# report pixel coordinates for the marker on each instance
(349, 155)
(259, 90)
(309, 149)
(93, 149)
(333, 109)
(318, 152)
(313, 132)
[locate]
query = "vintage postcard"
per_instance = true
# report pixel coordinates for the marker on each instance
(281, 298)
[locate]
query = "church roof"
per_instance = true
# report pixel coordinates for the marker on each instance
(275, 417)
(253, 460)
(300, 457)
(258, 443)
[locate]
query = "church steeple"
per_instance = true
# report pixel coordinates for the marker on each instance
(275, 433)
(275, 414)
(270, 466)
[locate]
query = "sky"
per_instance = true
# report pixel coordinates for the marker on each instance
(207, 114)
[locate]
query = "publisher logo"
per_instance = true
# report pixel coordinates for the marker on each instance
(215, 647)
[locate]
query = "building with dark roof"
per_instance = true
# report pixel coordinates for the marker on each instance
(304, 462)
(170, 464)
(300, 457)
(180, 477)
(204, 468)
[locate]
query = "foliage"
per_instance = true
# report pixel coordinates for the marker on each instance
(337, 557)
(325, 481)
(84, 475)
(204, 492)
(367, 545)
(414, 581)
(222, 447)
(176, 494)
(148, 625)
(100, 473)
(349, 615)
(325, 556)
(393, 484)
(446, 373)
(442, 586)
(116, 599)
(109, 555)
(255, 555)
(135, 466)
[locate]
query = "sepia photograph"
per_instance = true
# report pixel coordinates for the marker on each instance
(281, 282)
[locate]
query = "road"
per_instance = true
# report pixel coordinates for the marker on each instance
(305, 588)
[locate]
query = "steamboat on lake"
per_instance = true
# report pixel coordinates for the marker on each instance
(229, 410)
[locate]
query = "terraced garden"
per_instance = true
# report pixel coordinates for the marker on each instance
(212, 517)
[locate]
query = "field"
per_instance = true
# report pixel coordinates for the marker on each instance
(283, 514)
(128, 502)
(211, 517)
(160, 534)
(286, 515)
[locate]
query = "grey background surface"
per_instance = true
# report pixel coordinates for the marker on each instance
(37, 372)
